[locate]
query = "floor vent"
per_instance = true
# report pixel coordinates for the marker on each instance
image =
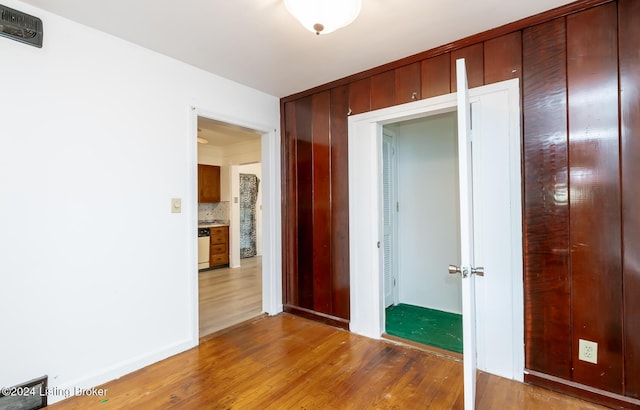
(30, 395)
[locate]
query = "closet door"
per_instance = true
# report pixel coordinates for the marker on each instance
(467, 262)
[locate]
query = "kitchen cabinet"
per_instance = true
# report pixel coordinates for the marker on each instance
(208, 183)
(219, 252)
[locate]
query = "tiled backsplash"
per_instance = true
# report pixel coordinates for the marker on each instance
(209, 212)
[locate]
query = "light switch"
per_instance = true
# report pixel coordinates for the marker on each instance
(176, 205)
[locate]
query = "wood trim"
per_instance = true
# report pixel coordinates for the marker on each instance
(458, 44)
(317, 316)
(606, 398)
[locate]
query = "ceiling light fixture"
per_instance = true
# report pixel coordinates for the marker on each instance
(200, 139)
(324, 16)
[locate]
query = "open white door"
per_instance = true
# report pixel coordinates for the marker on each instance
(467, 268)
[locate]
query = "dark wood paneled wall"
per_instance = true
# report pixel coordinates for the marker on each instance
(594, 199)
(316, 205)
(339, 203)
(547, 280)
(580, 84)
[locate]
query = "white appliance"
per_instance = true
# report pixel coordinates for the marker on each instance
(203, 248)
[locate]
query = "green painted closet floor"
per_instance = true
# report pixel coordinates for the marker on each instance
(427, 326)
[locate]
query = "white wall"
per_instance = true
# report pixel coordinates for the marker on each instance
(428, 221)
(95, 139)
(210, 155)
(243, 153)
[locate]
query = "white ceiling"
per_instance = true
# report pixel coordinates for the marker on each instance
(257, 42)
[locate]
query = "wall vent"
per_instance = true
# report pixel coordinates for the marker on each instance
(19, 26)
(29, 395)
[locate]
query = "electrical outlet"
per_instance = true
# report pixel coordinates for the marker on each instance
(588, 351)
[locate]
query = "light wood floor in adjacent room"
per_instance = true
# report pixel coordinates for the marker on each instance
(287, 362)
(229, 296)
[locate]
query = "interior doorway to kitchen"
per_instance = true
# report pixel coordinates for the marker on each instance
(233, 293)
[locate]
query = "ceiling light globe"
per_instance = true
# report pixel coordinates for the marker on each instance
(324, 16)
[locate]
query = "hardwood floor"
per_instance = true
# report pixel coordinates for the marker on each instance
(229, 296)
(288, 362)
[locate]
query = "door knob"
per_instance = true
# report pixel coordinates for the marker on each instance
(479, 271)
(453, 269)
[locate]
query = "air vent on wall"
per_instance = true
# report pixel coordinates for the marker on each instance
(19, 26)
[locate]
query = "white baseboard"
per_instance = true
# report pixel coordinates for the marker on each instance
(116, 371)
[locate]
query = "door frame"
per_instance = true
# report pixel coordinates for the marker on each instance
(271, 212)
(365, 226)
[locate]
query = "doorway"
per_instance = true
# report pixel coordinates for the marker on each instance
(421, 231)
(229, 295)
(497, 172)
